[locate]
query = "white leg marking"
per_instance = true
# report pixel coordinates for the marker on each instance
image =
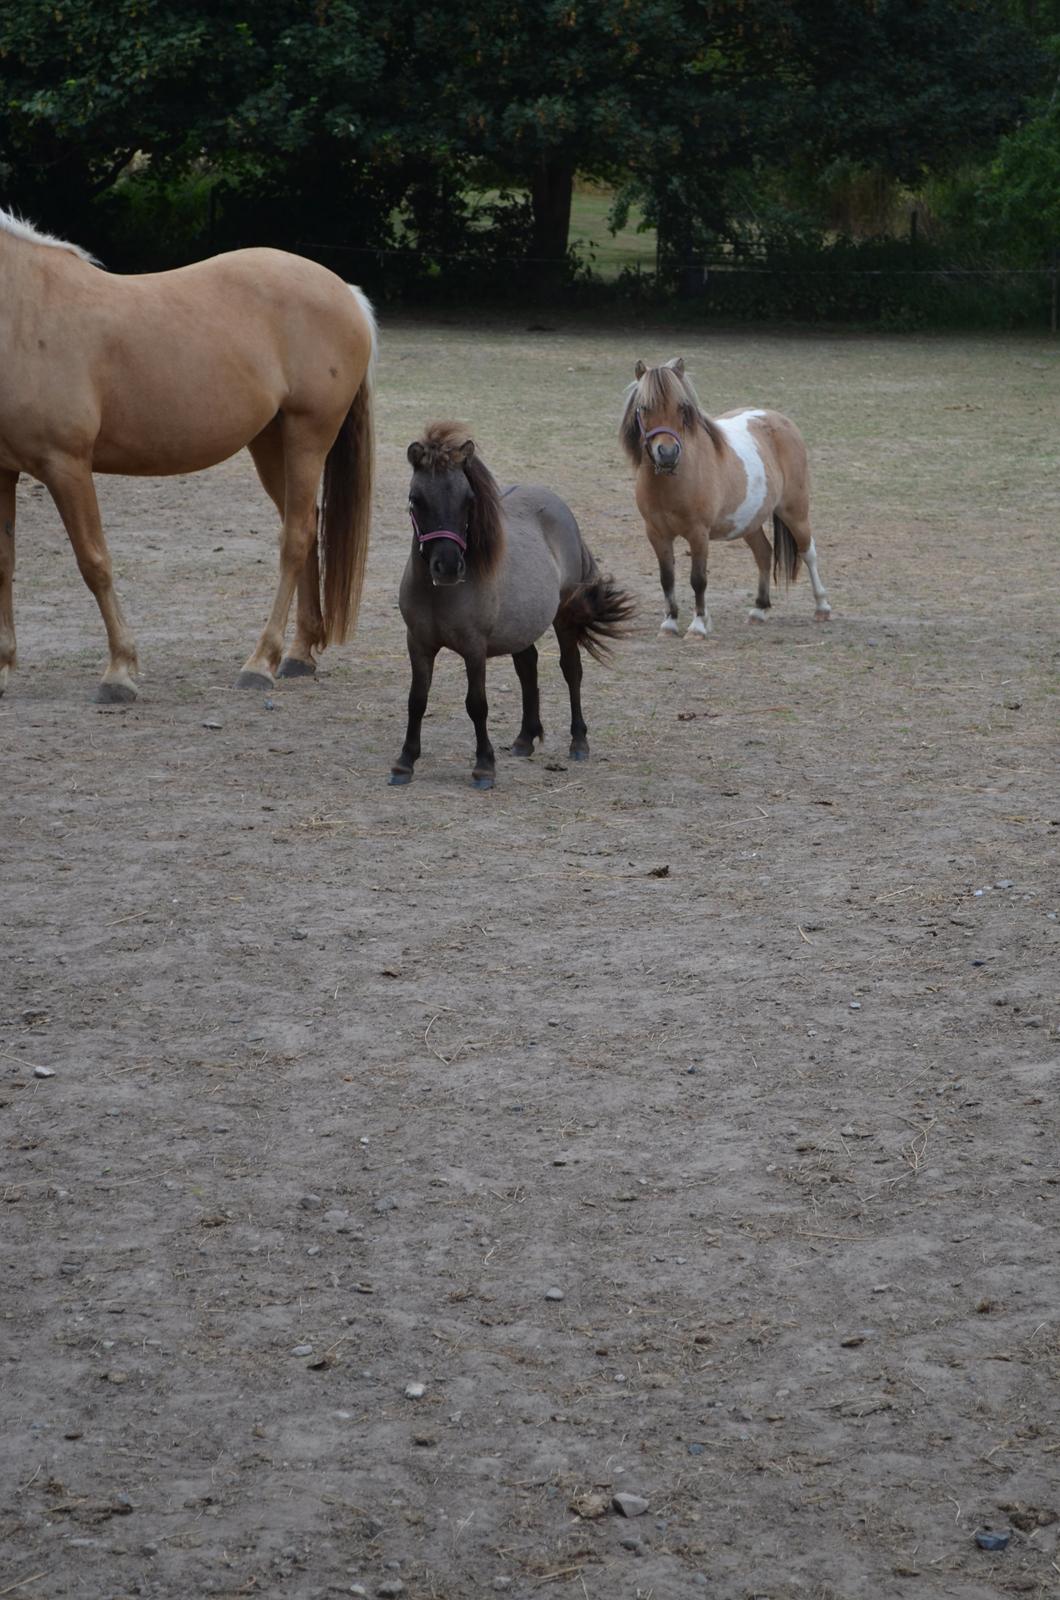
(669, 624)
(699, 627)
(822, 608)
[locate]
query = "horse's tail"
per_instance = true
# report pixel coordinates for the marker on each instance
(345, 516)
(598, 609)
(786, 558)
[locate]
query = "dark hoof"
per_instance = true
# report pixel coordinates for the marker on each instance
(482, 780)
(115, 694)
(295, 667)
(253, 680)
(579, 752)
(397, 779)
(521, 748)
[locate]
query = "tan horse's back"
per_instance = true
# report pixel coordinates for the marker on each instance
(175, 371)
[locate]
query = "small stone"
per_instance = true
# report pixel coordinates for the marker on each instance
(502, 1583)
(630, 1505)
(1003, 883)
(554, 1294)
(313, 1250)
(992, 1541)
(310, 1202)
(852, 1340)
(855, 1005)
(696, 1449)
(390, 1589)
(385, 1203)
(415, 1391)
(631, 1542)
(213, 722)
(302, 1350)
(117, 1376)
(43, 1072)
(358, 1588)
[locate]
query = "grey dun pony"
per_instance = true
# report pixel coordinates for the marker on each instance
(486, 576)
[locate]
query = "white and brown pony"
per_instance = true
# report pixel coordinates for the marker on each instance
(701, 478)
(173, 372)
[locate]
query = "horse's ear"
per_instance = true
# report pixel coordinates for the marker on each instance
(465, 452)
(677, 365)
(415, 453)
(639, 370)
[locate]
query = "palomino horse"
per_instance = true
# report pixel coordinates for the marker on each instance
(700, 479)
(176, 371)
(486, 575)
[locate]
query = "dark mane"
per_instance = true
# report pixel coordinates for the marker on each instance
(443, 446)
(662, 390)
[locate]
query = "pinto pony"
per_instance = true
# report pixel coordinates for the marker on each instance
(700, 479)
(486, 575)
(173, 372)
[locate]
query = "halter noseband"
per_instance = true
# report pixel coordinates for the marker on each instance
(652, 433)
(439, 533)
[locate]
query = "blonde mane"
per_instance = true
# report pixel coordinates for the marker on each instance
(19, 228)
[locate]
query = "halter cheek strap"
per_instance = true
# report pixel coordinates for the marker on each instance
(439, 533)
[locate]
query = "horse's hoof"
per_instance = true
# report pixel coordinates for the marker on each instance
(397, 780)
(579, 753)
(697, 629)
(482, 780)
(823, 614)
(253, 680)
(296, 667)
(522, 750)
(756, 614)
(113, 692)
(669, 625)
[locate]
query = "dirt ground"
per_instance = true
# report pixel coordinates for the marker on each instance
(740, 1039)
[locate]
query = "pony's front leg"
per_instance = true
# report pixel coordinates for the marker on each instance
(531, 729)
(8, 480)
(664, 553)
(478, 710)
(699, 627)
(422, 661)
(71, 487)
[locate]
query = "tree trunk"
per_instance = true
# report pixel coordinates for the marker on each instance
(550, 197)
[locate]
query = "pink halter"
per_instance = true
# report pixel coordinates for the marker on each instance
(439, 533)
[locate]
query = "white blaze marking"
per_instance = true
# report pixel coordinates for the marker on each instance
(737, 433)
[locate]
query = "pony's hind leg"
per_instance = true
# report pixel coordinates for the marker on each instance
(570, 660)
(422, 661)
(300, 660)
(762, 551)
(699, 627)
(531, 729)
(303, 463)
(802, 534)
(482, 775)
(71, 487)
(8, 480)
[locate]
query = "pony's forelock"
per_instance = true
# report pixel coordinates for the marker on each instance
(442, 450)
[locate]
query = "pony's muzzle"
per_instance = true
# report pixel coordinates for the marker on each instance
(666, 456)
(446, 572)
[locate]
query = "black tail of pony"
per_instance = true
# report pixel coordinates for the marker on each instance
(598, 609)
(786, 558)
